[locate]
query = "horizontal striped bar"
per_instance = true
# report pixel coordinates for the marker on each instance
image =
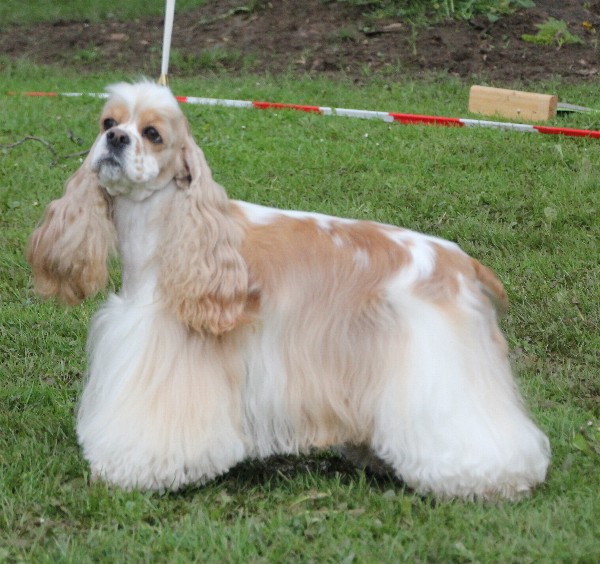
(401, 118)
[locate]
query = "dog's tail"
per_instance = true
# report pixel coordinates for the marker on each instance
(491, 286)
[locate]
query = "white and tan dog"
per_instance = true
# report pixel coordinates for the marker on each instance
(242, 331)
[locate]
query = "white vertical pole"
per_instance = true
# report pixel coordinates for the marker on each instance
(168, 32)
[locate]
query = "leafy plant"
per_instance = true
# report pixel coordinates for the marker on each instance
(422, 11)
(552, 32)
(493, 9)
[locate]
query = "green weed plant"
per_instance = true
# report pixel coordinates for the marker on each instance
(553, 32)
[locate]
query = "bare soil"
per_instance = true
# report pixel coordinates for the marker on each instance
(314, 36)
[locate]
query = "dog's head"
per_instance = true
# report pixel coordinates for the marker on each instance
(145, 145)
(142, 135)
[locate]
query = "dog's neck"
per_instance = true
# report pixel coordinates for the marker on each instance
(139, 228)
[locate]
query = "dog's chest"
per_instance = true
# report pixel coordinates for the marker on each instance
(139, 228)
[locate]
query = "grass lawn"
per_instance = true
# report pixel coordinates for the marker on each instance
(17, 11)
(525, 205)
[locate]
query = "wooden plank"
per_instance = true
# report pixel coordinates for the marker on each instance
(527, 106)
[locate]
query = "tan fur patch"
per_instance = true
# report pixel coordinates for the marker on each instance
(114, 110)
(290, 247)
(162, 120)
(333, 314)
(443, 285)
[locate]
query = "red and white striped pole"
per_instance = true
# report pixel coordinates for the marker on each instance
(391, 117)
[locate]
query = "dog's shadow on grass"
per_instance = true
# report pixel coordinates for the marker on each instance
(309, 471)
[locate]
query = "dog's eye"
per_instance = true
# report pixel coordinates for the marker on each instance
(152, 134)
(108, 123)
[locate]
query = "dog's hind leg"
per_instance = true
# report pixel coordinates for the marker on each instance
(450, 419)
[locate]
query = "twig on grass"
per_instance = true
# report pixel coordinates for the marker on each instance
(32, 138)
(46, 144)
(224, 16)
(74, 138)
(73, 155)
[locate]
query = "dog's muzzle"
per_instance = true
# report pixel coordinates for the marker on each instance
(117, 140)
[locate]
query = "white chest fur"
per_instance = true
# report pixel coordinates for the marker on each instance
(139, 227)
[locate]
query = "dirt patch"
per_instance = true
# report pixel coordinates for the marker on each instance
(318, 37)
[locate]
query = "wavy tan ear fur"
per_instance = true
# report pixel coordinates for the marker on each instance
(204, 278)
(69, 249)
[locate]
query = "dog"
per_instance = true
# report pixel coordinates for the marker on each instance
(244, 331)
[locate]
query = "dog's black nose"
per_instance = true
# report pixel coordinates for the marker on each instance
(117, 139)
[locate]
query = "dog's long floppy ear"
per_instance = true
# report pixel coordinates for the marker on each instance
(203, 278)
(69, 249)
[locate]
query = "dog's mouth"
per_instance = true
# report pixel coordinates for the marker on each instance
(111, 174)
(109, 161)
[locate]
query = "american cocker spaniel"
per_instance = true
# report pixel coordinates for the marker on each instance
(243, 331)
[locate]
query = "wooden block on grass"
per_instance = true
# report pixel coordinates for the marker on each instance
(527, 106)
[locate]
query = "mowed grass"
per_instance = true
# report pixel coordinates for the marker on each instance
(525, 205)
(33, 11)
